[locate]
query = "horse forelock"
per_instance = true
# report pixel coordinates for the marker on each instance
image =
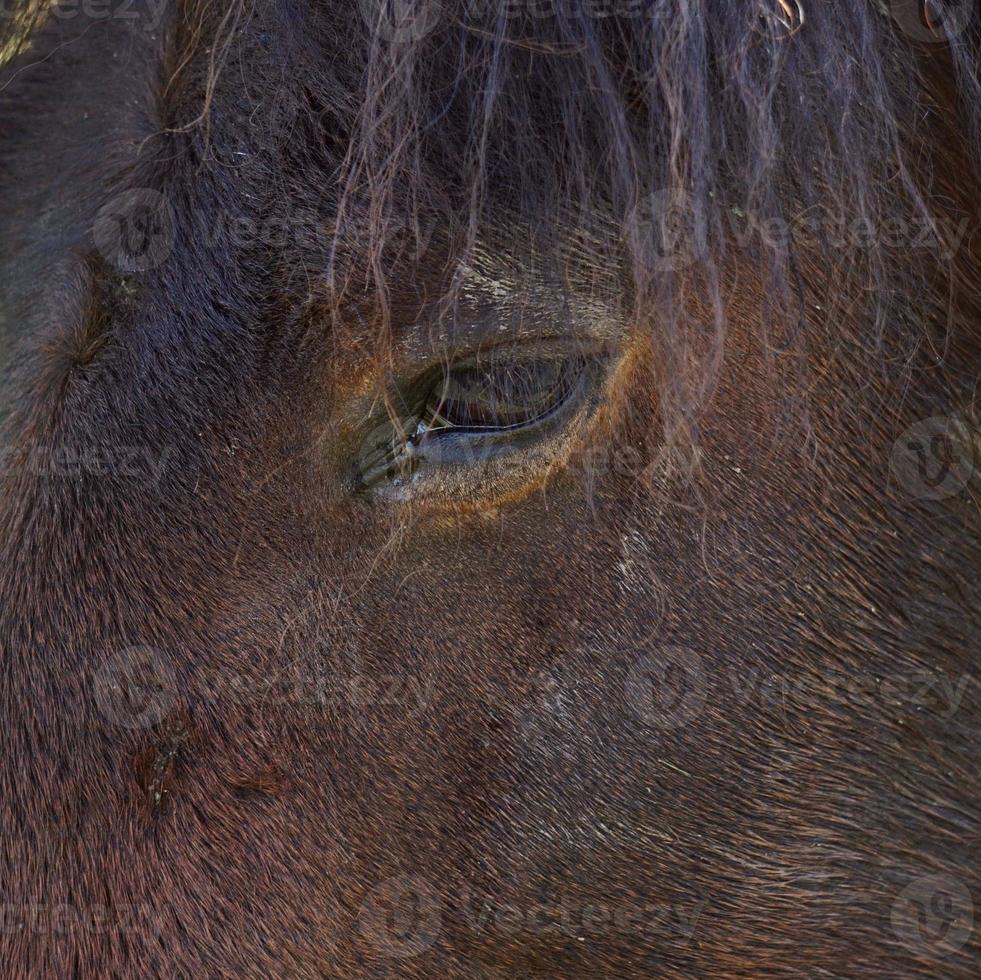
(690, 147)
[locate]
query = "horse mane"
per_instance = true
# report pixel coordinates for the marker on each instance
(785, 139)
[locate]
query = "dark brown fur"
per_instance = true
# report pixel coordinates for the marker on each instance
(345, 701)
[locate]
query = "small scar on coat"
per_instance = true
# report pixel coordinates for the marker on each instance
(156, 769)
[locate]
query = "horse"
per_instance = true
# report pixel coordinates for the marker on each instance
(489, 488)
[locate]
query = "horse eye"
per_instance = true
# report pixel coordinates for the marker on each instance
(497, 398)
(471, 418)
